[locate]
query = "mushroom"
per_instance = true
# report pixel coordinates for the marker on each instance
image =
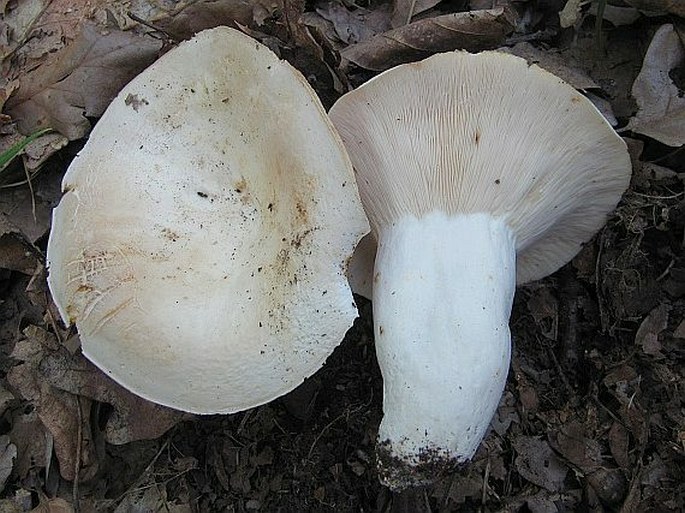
(202, 241)
(477, 172)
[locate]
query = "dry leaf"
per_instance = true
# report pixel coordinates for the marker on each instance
(353, 27)
(555, 63)
(19, 21)
(133, 417)
(679, 332)
(63, 414)
(661, 113)
(573, 445)
(195, 16)
(617, 16)
(55, 505)
(570, 14)
(40, 150)
(148, 499)
(16, 253)
(619, 444)
(80, 82)
(472, 31)
(405, 10)
(647, 336)
(8, 453)
(676, 7)
(30, 211)
(537, 463)
(47, 32)
(30, 436)
(505, 415)
(6, 397)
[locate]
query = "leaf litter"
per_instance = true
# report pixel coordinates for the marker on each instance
(593, 415)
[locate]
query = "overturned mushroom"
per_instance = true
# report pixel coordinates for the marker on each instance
(202, 240)
(476, 172)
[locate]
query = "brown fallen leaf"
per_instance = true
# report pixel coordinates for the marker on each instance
(188, 18)
(8, 453)
(16, 253)
(30, 437)
(404, 10)
(624, 383)
(28, 209)
(472, 31)
(676, 7)
(570, 441)
(66, 416)
(585, 454)
(537, 463)
(19, 20)
(352, 27)
(619, 444)
(80, 81)
(661, 113)
(505, 415)
(616, 15)
(54, 505)
(133, 417)
(559, 64)
(647, 336)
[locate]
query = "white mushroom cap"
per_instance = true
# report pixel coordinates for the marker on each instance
(202, 242)
(476, 172)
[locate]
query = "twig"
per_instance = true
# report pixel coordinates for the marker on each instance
(327, 426)
(77, 464)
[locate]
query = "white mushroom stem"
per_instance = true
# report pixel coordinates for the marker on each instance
(442, 296)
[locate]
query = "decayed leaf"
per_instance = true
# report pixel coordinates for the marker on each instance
(586, 455)
(647, 336)
(81, 81)
(188, 18)
(133, 418)
(19, 21)
(555, 63)
(472, 31)
(150, 498)
(29, 210)
(570, 14)
(8, 453)
(619, 444)
(6, 397)
(16, 253)
(353, 27)
(617, 16)
(54, 505)
(537, 463)
(661, 113)
(572, 443)
(405, 10)
(40, 150)
(676, 7)
(64, 415)
(505, 415)
(30, 436)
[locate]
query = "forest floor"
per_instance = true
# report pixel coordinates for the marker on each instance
(593, 415)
